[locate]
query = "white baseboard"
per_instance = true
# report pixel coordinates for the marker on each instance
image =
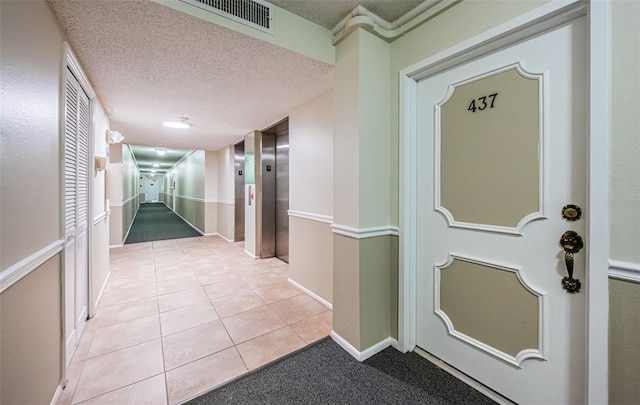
(312, 294)
(225, 238)
(251, 255)
(116, 246)
(104, 286)
(56, 395)
(363, 355)
(189, 223)
(211, 234)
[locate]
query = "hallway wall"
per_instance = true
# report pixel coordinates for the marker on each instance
(189, 177)
(311, 195)
(99, 253)
(225, 199)
(624, 204)
(30, 228)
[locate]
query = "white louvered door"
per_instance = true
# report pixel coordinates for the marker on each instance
(76, 209)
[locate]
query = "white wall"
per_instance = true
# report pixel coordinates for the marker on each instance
(100, 233)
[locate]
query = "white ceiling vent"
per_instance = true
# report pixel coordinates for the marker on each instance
(254, 13)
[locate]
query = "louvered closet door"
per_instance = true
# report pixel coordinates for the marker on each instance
(76, 209)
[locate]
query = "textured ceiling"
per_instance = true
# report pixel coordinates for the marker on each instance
(328, 13)
(149, 63)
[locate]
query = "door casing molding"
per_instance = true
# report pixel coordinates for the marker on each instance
(536, 21)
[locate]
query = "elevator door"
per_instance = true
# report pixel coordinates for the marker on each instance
(238, 233)
(282, 195)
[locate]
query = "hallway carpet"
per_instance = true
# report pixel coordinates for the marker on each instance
(326, 374)
(155, 221)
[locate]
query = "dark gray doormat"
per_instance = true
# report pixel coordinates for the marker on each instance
(326, 374)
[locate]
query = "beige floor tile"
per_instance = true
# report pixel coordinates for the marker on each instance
(315, 327)
(277, 292)
(119, 281)
(179, 284)
(263, 349)
(125, 334)
(202, 375)
(217, 276)
(127, 295)
(118, 369)
(84, 345)
(166, 275)
(126, 312)
(225, 288)
(125, 269)
(187, 317)
(297, 308)
(236, 303)
(151, 391)
(250, 324)
(263, 280)
(195, 343)
(169, 302)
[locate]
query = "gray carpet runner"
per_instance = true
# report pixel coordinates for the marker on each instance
(155, 221)
(325, 374)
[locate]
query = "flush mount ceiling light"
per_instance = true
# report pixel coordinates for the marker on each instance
(153, 170)
(156, 165)
(161, 152)
(181, 123)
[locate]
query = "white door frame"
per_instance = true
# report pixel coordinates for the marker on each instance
(70, 61)
(597, 234)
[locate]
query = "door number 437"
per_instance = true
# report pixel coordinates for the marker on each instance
(482, 103)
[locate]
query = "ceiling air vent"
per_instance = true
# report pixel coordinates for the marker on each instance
(254, 13)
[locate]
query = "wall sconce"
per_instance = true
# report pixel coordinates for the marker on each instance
(114, 137)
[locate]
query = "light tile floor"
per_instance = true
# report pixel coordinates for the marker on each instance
(179, 317)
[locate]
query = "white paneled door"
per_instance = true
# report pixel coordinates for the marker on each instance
(76, 209)
(501, 178)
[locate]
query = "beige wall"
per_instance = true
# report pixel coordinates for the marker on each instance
(361, 295)
(311, 156)
(30, 338)
(624, 202)
(624, 207)
(311, 192)
(624, 338)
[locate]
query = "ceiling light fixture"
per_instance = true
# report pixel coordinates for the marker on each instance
(180, 124)
(153, 170)
(156, 165)
(160, 151)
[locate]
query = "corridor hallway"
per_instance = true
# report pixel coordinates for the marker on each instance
(179, 317)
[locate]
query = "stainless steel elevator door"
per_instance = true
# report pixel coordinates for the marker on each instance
(282, 195)
(238, 155)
